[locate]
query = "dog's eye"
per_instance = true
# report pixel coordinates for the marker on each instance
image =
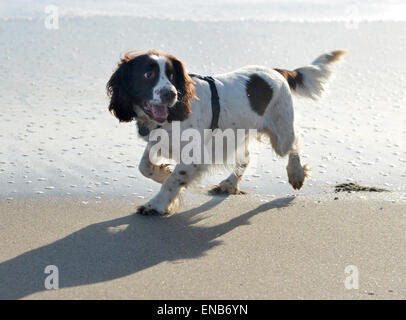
(149, 74)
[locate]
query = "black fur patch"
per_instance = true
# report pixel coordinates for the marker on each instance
(128, 87)
(186, 91)
(294, 78)
(259, 93)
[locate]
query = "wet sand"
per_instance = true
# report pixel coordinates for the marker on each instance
(233, 247)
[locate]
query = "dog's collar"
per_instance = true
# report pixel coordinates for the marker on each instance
(215, 100)
(143, 130)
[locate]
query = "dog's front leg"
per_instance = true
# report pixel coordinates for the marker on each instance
(148, 169)
(165, 201)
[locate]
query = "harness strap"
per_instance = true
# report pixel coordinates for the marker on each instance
(215, 100)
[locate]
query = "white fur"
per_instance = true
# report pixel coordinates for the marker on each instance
(163, 81)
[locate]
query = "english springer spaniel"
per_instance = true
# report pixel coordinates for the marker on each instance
(155, 90)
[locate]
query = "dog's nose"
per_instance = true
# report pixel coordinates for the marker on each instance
(167, 95)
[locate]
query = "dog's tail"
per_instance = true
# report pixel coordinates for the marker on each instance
(311, 81)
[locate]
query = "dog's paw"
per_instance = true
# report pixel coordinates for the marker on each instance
(298, 176)
(222, 189)
(161, 173)
(296, 183)
(165, 169)
(149, 211)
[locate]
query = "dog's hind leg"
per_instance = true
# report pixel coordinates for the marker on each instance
(279, 126)
(296, 172)
(230, 185)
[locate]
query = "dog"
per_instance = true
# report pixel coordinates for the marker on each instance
(155, 90)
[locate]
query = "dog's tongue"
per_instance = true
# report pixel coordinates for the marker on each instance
(160, 113)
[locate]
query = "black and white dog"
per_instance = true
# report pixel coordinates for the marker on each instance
(155, 90)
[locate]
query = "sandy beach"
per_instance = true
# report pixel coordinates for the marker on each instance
(218, 248)
(69, 178)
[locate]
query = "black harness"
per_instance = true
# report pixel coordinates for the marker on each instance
(215, 100)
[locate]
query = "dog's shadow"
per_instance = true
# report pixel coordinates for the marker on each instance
(119, 247)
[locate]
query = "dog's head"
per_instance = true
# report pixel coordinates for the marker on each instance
(150, 86)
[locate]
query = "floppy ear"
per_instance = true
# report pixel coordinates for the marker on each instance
(186, 92)
(121, 105)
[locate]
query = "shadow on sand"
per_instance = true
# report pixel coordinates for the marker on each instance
(94, 253)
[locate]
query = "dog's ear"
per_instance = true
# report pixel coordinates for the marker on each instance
(186, 91)
(121, 105)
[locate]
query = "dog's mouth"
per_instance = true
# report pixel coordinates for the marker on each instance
(158, 112)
